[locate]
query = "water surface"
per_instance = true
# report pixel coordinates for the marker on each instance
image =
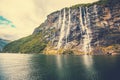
(46, 67)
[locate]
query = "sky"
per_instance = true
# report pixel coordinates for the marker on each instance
(19, 18)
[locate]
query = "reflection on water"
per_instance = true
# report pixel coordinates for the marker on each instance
(88, 61)
(89, 68)
(59, 61)
(59, 67)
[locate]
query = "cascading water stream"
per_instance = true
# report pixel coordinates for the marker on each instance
(62, 31)
(60, 21)
(84, 26)
(95, 10)
(84, 22)
(88, 31)
(68, 26)
(81, 22)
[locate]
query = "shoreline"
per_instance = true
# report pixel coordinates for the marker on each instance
(112, 54)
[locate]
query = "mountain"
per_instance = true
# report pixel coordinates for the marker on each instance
(3, 43)
(81, 29)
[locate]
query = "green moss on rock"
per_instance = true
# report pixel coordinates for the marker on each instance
(101, 2)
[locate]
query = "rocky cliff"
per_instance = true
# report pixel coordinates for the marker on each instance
(80, 29)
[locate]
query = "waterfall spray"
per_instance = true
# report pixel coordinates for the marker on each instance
(62, 31)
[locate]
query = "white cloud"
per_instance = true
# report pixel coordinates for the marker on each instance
(28, 14)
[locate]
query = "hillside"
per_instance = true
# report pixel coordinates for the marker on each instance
(30, 44)
(81, 29)
(3, 43)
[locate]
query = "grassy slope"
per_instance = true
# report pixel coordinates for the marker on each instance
(3, 43)
(30, 44)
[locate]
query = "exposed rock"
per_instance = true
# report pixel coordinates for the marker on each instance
(103, 21)
(82, 29)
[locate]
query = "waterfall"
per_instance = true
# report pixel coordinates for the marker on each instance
(68, 27)
(95, 10)
(59, 22)
(86, 47)
(88, 31)
(84, 26)
(62, 31)
(81, 21)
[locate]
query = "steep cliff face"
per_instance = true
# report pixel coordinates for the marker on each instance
(3, 43)
(82, 29)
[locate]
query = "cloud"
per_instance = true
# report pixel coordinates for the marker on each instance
(5, 22)
(22, 13)
(28, 14)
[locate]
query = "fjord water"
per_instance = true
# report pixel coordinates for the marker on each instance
(59, 67)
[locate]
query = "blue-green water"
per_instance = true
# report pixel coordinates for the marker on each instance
(46, 67)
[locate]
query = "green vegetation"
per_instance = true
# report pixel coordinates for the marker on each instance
(3, 43)
(70, 52)
(101, 2)
(31, 44)
(115, 48)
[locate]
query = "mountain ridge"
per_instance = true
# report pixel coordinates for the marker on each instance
(3, 43)
(80, 29)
